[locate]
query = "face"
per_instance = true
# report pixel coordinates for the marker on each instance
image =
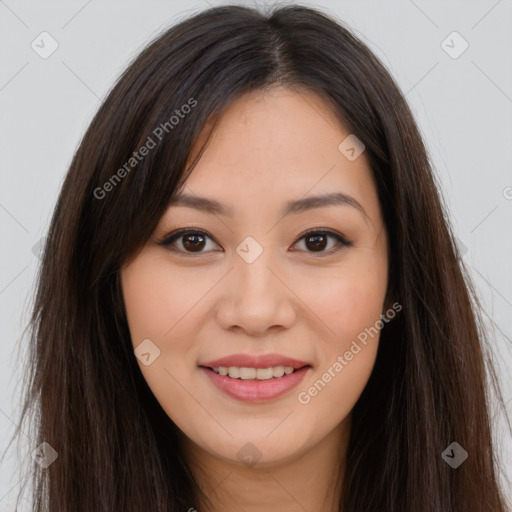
(301, 282)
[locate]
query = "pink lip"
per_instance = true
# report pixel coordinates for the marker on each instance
(255, 391)
(261, 361)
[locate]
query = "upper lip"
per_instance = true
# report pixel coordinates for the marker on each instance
(256, 361)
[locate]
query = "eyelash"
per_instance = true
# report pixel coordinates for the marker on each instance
(168, 240)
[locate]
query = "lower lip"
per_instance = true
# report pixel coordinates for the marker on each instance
(256, 391)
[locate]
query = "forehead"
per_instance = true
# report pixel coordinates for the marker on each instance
(274, 146)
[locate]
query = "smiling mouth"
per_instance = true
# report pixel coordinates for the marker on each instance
(245, 373)
(256, 385)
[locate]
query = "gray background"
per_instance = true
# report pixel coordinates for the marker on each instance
(463, 106)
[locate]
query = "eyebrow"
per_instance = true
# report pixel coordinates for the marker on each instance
(292, 207)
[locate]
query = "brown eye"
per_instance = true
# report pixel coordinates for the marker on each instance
(317, 241)
(193, 242)
(186, 241)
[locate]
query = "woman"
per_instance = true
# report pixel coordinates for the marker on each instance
(250, 296)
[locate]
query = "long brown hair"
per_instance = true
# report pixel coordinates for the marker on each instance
(117, 449)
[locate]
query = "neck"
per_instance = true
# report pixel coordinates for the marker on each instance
(309, 480)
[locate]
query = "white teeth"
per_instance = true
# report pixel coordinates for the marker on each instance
(264, 373)
(235, 372)
(245, 373)
(278, 371)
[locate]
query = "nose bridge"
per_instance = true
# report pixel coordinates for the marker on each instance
(257, 298)
(254, 280)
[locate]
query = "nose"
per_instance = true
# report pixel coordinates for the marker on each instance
(256, 298)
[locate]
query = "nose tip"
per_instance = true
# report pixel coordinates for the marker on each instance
(256, 300)
(254, 332)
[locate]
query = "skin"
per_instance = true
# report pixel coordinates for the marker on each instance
(270, 147)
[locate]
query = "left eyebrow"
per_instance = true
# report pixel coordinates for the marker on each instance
(292, 207)
(334, 198)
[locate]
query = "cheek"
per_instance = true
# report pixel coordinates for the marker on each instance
(350, 307)
(159, 305)
(347, 303)
(158, 302)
